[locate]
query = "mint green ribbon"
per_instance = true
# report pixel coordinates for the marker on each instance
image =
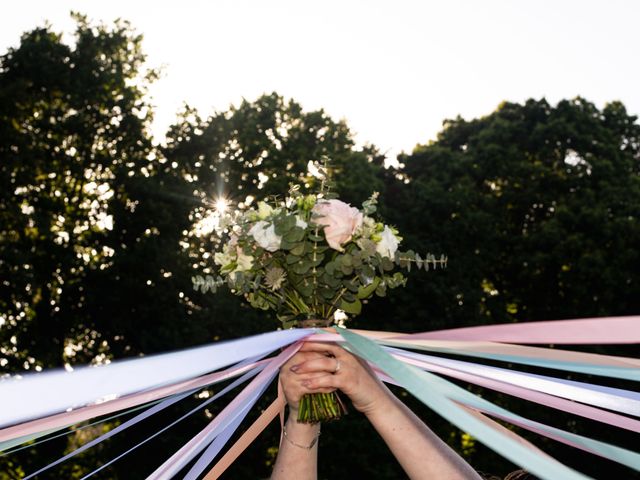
(6, 445)
(441, 396)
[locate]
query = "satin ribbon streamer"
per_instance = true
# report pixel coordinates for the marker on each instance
(90, 392)
(22, 398)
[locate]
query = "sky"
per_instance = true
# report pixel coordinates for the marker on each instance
(394, 70)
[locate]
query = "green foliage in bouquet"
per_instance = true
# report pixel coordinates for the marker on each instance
(309, 257)
(314, 260)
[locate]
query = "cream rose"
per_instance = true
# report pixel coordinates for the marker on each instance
(244, 262)
(339, 220)
(222, 258)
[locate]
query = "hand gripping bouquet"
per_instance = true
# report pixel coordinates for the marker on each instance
(314, 260)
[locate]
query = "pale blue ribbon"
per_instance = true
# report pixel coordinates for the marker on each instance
(438, 394)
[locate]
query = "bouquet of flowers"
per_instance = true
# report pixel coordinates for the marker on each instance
(314, 260)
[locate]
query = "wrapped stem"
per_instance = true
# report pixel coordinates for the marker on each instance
(320, 407)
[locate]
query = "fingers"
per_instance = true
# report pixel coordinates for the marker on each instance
(322, 383)
(326, 367)
(301, 357)
(319, 368)
(322, 364)
(291, 381)
(295, 385)
(328, 349)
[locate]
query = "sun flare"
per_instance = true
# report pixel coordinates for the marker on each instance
(222, 204)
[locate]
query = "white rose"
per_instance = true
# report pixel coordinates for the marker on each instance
(388, 243)
(264, 233)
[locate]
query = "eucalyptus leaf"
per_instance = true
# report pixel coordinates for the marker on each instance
(330, 280)
(305, 289)
(295, 235)
(326, 293)
(291, 259)
(346, 269)
(367, 291)
(352, 286)
(286, 245)
(349, 297)
(354, 308)
(298, 249)
(387, 264)
(318, 261)
(301, 267)
(366, 274)
(330, 268)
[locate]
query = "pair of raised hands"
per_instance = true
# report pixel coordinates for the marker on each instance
(325, 367)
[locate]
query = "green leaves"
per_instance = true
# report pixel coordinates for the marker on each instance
(301, 267)
(315, 238)
(369, 206)
(284, 224)
(208, 283)
(365, 291)
(354, 308)
(292, 259)
(409, 258)
(304, 277)
(298, 249)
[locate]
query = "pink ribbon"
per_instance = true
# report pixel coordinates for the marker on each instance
(541, 398)
(416, 339)
(191, 448)
(583, 331)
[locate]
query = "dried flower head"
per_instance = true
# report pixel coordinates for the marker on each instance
(274, 278)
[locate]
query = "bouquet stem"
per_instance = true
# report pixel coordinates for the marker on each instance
(320, 407)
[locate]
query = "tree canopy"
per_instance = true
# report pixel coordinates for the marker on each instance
(538, 207)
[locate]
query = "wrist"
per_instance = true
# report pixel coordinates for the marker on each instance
(300, 433)
(292, 424)
(380, 405)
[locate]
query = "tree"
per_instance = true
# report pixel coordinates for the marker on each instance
(72, 141)
(99, 227)
(74, 148)
(252, 152)
(537, 207)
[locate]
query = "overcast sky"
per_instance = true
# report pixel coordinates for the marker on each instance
(393, 69)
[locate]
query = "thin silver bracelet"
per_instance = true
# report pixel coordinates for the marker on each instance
(313, 442)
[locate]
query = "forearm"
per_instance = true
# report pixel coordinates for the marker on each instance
(420, 452)
(294, 461)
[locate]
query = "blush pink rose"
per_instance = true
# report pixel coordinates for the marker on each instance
(339, 220)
